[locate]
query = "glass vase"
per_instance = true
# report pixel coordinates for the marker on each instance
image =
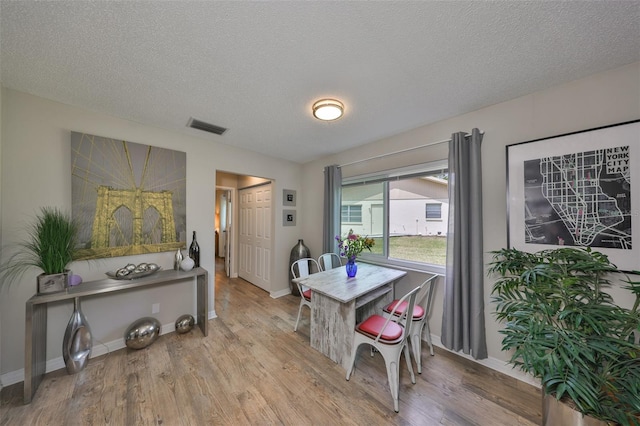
(351, 267)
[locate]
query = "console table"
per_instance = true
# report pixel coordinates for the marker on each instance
(36, 314)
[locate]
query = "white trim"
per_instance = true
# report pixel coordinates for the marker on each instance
(99, 348)
(423, 168)
(403, 264)
(279, 293)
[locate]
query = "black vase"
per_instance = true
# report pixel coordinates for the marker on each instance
(299, 251)
(194, 251)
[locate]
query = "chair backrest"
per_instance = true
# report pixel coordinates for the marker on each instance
(425, 294)
(410, 298)
(329, 261)
(303, 268)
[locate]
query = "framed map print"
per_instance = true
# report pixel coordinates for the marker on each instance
(579, 189)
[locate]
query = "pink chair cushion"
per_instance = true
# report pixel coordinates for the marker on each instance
(418, 311)
(307, 294)
(374, 324)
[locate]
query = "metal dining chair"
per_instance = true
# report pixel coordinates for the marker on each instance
(329, 261)
(303, 268)
(388, 337)
(419, 318)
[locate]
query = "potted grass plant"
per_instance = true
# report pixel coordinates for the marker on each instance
(563, 328)
(50, 246)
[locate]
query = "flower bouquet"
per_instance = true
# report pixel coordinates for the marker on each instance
(351, 246)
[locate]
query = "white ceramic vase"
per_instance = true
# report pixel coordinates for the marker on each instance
(187, 264)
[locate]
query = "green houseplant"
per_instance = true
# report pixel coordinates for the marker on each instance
(564, 329)
(50, 245)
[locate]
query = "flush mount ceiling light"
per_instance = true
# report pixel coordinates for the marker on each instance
(328, 109)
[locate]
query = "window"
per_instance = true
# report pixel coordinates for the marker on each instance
(433, 211)
(351, 214)
(405, 211)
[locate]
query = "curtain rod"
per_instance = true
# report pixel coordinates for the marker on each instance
(400, 151)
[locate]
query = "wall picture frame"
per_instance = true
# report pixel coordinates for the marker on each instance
(127, 198)
(288, 218)
(579, 189)
(288, 197)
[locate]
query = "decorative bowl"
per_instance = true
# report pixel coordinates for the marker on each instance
(131, 271)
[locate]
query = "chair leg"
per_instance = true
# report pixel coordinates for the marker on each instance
(416, 344)
(407, 357)
(416, 349)
(426, 325)
(352, 363)
(393, 375)
(299, 312)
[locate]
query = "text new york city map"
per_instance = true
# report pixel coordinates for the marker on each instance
(580, 199)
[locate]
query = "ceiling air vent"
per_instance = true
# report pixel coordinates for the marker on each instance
(205, 127)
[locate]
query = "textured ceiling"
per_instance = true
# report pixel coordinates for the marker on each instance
(256, 67)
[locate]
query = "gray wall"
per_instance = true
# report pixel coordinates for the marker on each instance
(602, 99)
(36, 172)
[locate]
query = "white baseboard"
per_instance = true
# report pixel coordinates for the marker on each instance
(280, 293)
(99, 348)
(12, 377)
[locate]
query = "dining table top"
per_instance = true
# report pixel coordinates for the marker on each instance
(334, 282)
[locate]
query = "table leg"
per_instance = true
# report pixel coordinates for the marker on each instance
(35, 342)
(332, 324)
(202, 303)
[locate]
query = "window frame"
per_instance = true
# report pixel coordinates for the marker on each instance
(432, 168)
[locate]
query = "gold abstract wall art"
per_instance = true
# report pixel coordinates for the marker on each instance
(127, 198)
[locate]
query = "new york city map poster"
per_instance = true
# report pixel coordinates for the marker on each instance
(580, 189)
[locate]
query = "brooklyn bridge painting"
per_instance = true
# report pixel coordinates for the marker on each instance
(127, 198)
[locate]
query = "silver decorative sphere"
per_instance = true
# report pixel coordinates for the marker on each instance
(142, 333)
(184, 323)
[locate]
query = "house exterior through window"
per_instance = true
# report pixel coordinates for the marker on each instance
(405, 212)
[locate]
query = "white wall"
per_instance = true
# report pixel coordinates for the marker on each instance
(602, 99)
(36, 172)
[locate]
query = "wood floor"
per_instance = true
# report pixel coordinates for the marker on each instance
(253, 369)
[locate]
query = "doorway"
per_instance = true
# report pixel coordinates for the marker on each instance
(244, 232)
(224, 228)
(255, 234)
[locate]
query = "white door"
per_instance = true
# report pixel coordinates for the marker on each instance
(223, 226)
(255, 235)
(228, 235)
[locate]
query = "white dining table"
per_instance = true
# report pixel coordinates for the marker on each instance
(338, 303)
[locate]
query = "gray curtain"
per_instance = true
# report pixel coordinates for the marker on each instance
(463, 316)
(332, 201)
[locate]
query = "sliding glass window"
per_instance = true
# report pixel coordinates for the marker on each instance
(404, 210)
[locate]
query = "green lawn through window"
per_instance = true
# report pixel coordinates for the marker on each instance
(427, 249)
